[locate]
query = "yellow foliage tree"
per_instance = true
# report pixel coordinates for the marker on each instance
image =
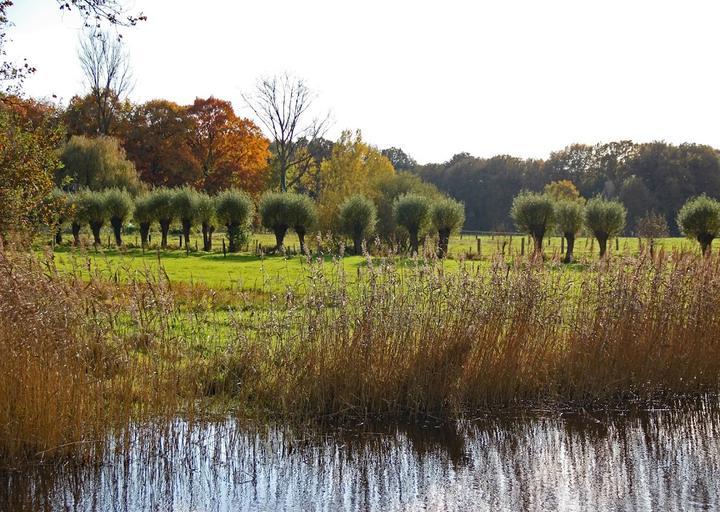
(354, 168)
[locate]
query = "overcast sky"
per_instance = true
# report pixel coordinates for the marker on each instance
(435, 78)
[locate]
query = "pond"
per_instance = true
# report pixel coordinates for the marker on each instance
(657, 459)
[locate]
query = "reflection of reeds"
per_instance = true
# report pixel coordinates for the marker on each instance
(399, 340)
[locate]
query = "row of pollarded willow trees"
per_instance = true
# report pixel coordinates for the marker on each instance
(538, 214)
(235, 210)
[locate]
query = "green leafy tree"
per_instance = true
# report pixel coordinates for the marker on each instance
(357, 219)
(604, 218)
(534, 214)
(161, 200)
(205, 207)
(234, 209)
(412, 212)
(699, 218)
(60, 205)
(303, 216)
(275, 215)
(447, 216)
(91, 209)
(185, 204)
(144, 216)
(97, 163)
(569, 216)
(119, 206)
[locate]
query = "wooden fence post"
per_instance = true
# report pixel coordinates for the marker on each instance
(522, 246)
(223, 240)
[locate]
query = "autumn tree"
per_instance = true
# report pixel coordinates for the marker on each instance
(283, 105)
(563, 190)
(230, 152)
(157, 141)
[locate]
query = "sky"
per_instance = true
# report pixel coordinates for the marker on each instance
(434, 78)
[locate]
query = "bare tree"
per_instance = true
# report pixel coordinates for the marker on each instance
(282, 104)
(107, 70)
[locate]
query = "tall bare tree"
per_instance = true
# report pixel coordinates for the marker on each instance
(106, 66)
(283, 104)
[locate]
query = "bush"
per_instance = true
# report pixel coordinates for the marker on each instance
(161, 204)
(185, 203)
(118, 205)
(275, 215)
(205, 210)
(534, 214)
(144, 216)
(234, 209)
(604, 219)
(699, 218)
(569, 218)
(447, 216)
(303, 216)
(60, 208)
(91, 210)
(412, 212)
(357, 219)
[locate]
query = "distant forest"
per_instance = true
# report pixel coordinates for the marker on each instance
(648, 178)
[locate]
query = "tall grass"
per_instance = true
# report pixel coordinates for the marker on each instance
(402, 339)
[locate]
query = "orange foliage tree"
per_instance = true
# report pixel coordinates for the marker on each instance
(230, 151)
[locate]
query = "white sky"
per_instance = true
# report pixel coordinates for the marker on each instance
(435, 78)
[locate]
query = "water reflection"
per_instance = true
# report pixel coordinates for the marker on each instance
(658, 460)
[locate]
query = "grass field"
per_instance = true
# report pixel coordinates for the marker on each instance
(254, 269)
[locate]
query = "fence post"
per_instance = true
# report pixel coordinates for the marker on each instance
(223, 240)
(562, 245)
(617, 243)
(522, 246)
(179, 241)
(478, 246)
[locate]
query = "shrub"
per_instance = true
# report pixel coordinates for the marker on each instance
(185, 203)
(91, 210)
(604, 219)
(60, 207)
(161, 204)
(412, 212)
(275, 215)
(534, 214)
(303, 216)
(144, 215)
(205, 209)
(118, 205)
(447, 216)
(569, 217)
(234, 208)
(699, 218)
(357, 219)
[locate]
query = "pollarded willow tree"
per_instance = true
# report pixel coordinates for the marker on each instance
(569, 216)
(412, 212)
(533, 214)
(184, 204)
(234, 208)
(604, 218)
(161, 201)
(144, 216)
(699, 218)
(358, 217)
(119, 206)
(303, 217)
(91, 209)
(60, 205)
(205, 210)
(447, 216)
(274, 210)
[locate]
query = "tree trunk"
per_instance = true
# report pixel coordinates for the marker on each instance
(75, 227)
(117, 230)
(58, 236)
(301, 236)
(705, 243)
(186, 226)
(538, 241)
(357, 243)
(279, 237)
(570, 237)
(95, 227)
(144, 232)
(164, 228)
(414, 243)
(207, 232)
(443, 242)
(233, 232)
(602, 242)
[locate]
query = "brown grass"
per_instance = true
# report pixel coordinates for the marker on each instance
(83, 360)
